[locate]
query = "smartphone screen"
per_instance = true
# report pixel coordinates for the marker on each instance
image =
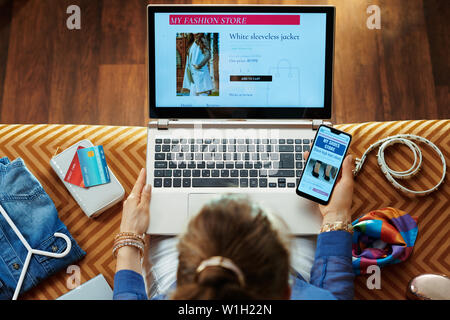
(324, 164)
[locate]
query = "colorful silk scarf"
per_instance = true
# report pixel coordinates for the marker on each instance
(382, 237)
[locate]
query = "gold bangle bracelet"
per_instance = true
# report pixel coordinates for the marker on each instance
(117, 239)
(129, 234)
(337, 226)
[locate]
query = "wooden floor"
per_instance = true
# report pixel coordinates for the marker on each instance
(97, 75)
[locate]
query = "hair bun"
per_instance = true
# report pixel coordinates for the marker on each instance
(219, 283)
(216, 276)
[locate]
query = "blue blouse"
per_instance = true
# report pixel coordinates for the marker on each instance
(331, 274)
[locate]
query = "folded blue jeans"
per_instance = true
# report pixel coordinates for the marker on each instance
(34, 214)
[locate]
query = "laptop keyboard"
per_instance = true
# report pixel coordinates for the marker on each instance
(244, 163)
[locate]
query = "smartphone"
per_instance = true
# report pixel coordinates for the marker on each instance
(324, 164)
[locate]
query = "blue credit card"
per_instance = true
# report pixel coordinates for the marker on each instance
(93, 166)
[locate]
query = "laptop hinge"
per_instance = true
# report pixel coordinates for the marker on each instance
(163, 124)
(316, 124)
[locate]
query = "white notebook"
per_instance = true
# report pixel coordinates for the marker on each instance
(93, 200)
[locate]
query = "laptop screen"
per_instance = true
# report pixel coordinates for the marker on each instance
(212, 58)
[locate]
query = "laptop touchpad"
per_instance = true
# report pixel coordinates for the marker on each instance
(197, 200)
(301, 215)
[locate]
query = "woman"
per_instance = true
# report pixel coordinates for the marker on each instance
(196, 74)
(232, 249)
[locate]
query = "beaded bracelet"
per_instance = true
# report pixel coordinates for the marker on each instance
(129, 236)
(123, 239)
(123, 243)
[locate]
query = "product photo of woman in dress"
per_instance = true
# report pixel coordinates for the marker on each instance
(197, 78)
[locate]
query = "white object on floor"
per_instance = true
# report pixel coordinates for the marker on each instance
(94, 289)
(406, 139)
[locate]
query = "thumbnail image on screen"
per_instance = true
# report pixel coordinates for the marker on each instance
(322, 171)
(197, 64)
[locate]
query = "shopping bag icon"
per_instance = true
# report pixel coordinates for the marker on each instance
(284, 90)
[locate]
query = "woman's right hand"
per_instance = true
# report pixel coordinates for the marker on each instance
(135, 216)
(338, 209)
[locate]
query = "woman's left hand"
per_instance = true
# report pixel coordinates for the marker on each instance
(339, 207)
(196, 66)
(136, 208)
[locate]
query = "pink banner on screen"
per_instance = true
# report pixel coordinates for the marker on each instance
(234, 19)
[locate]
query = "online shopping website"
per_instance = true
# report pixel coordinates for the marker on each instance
(240, 60)
(323, 163)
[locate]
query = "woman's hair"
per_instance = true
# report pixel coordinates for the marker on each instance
(243, 233)
(200, 40)
(189, 40)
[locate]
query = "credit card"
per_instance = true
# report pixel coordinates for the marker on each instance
(74, 175)
(93, 166)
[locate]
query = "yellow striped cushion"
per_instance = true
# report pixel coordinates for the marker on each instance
(125, 149)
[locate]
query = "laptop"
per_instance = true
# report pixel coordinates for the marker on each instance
(236, 94)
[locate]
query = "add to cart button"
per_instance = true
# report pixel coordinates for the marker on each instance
(251, 78)
(320, 192)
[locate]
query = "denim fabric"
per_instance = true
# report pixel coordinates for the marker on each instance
(35, 215)
(332, 269)
(129, 285)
